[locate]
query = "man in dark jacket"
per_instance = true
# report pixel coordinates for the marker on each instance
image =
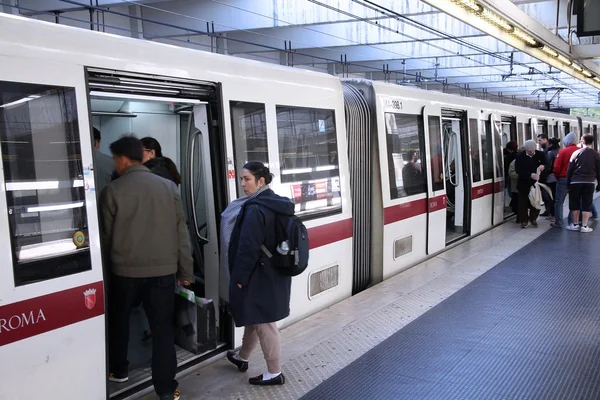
(146, 239)
(582, 175)
(527, 164)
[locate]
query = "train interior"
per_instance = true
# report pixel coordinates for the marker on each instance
(457, 182)
(181, 127)
(509, 132)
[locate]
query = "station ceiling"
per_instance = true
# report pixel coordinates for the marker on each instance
(472, 48)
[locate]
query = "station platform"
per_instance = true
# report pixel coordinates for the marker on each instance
(509, 314)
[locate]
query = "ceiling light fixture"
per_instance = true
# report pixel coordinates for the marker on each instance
(549, 51)
(470, 4)
(496, 20)
(527, 38)
(577, 67)
(597, 78)
(587, 73)
(564, 60)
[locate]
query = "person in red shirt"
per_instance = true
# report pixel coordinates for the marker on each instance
(561, 165)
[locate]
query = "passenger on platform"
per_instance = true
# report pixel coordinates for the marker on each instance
(104, 164)
(594, 210)
(514, 178)
(561, 165)
(157, 163)
(527, 165)
(543, 141)
(145, 234)
(259, 295)
(549, 177)
(412, 175)
(582, 177)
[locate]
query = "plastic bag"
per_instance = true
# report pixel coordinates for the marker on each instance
(194, 322)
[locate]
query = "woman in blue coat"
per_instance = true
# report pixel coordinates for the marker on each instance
(259, 295)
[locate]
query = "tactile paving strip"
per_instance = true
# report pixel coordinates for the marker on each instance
(527, 329)
(309, 370)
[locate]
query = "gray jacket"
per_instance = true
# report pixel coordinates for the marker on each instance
(104, 169)
(144, 229)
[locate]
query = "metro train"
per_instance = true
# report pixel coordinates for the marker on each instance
(384, 176)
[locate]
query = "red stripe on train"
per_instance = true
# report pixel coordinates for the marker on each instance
(437, 203)
(481, 191)
(43, 314)
(326, 234)
(404, 211)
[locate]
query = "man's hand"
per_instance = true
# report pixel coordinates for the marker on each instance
(542, 167)
(535, 177)
(239, 285)
(183, 283)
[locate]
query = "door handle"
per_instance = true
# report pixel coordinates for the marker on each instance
(203, 240)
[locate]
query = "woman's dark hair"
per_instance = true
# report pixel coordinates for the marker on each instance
(152, 144)
(554, 141)
(259, 170)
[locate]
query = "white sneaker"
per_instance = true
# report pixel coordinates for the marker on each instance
(573, 227)
(586, 229)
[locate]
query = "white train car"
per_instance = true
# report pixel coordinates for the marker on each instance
(211, 113)
(425, 171)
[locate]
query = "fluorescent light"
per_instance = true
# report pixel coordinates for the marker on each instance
(577, 67)
(527, 38)
(470, 5)
(496, 20)
(21, 101)
(597, 78)
(564, 60)
(57, 207)
(42, 185)
(587, 73)
(549, 51)
(146, 98)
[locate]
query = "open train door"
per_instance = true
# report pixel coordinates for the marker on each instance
(436, 190)
(498, 186)
(52, 330)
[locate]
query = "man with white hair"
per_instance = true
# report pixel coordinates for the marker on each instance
(561, 165)
(527, 165)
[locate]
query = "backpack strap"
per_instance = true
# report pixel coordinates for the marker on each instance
(266, 251)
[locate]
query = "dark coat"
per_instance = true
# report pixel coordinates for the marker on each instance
(525, 166)
(159, 167)
(265, 293)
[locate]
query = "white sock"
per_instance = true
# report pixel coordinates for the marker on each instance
(237, 357)
(268, 376)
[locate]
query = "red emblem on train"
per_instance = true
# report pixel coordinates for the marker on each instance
(90, 298)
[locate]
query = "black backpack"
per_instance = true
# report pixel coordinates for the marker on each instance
(290, 231)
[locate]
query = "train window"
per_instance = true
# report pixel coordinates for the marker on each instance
(249, 125)
(435, 143)
(405, 148)
(308, 157)
(487, 150)
(44, 181)
(528, 134)
(520, 133)
(475, 154)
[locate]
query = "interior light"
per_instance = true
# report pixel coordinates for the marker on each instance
(527, 38)
(549, 51)
(470, 5)
(577, 67)
(564, 59)
(587, 73)
(496, 20)
(20, 101)
(597, 78)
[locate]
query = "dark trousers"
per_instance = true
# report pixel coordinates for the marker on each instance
(526, 210)
(158, 298)
(549, 202)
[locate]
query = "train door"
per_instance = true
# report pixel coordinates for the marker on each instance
(458, 188)
(509, 133)
(181, 125)
(436, 190)
(52, 341)
(498, 162)
(534, 129)
(521, 124)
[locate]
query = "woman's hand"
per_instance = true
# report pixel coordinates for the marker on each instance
(239, 285)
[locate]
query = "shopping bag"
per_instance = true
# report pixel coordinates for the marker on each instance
(194, 322)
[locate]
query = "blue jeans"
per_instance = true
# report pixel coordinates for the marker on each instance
(561, 194)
